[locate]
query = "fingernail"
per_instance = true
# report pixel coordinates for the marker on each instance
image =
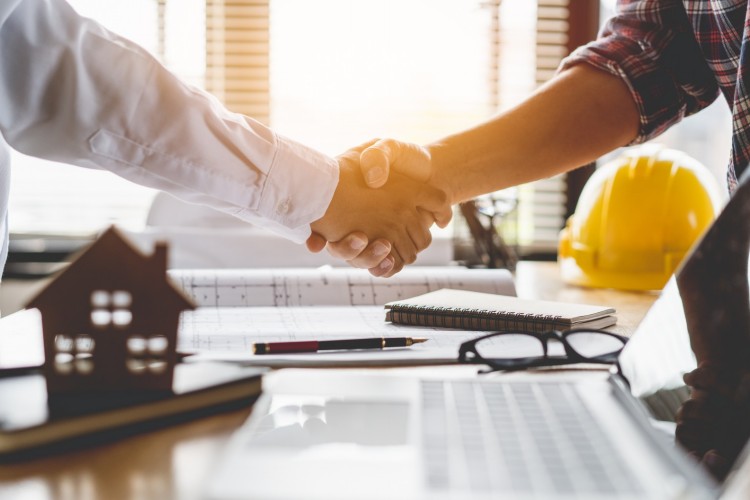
(357, 243)
(380, 249)
(386, 264)
(375, 174)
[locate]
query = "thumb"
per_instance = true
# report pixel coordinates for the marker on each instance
(375, 162)
(315, 243)
(407, 158)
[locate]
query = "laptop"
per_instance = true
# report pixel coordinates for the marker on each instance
(337, 434)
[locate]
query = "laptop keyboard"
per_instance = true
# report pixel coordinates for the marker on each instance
(520, 437)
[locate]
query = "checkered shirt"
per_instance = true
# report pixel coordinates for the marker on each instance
(676, 56)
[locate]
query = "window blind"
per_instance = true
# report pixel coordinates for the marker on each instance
(237, 55)
(239, 62)
(465, 60)
(561, 26)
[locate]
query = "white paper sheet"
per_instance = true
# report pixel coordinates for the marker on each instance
(241, 307)
(330, 286)
(228, 333)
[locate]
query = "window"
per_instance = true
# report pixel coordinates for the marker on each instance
(333, 76)
(412, 69)
(334, 73)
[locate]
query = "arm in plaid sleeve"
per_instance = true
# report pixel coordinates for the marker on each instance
(651, 45)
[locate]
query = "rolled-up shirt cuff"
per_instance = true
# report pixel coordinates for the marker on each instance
(298, 188)
(584, 56)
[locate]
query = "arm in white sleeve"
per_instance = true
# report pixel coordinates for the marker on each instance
(73, 92)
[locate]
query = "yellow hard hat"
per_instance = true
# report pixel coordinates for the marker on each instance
(636, 218)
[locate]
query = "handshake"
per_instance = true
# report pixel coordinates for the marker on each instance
(387, 197)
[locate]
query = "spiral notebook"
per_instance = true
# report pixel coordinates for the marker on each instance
(467, 310)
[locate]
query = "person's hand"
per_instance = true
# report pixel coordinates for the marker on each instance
(380, 158)
(714, 424)
(377, 159)
(356, 250)
(400, 212)
(384, 155)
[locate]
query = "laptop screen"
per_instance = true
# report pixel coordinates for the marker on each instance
(658, 354)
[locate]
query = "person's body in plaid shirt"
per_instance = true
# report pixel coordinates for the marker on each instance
(654, 63)
(676, 57)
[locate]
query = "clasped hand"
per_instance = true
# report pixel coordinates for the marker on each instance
(377, 219)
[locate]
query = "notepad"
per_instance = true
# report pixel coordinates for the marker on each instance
(466, 310)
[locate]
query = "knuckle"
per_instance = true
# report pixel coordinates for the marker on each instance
(685, 433)
(442, 197)
(689, 406)
(333, 252)
(359, 263)
(376, 271)
(342, 253)
(387, 141)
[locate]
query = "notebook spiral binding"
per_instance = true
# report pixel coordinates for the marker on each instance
(473, 319)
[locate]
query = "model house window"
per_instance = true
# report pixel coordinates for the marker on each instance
(74, 354)
(111, 308)
(146, 354)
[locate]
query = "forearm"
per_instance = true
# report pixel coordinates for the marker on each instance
(578, 116)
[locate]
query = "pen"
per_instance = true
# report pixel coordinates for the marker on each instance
(334, 345)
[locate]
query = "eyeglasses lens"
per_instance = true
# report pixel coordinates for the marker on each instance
(592, 344)
(510, 346)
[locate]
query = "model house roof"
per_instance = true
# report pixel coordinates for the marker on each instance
(112, 262)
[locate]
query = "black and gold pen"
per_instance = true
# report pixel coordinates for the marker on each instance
(334, 345)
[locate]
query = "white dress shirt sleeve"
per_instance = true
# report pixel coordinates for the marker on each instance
(73, 92)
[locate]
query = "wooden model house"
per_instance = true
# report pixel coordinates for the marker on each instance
(110, 320)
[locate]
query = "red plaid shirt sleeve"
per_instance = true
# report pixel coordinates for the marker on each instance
(651, 45)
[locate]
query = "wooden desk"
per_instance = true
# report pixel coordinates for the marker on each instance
(176, 462)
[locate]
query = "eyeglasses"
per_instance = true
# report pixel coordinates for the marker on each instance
(513, 350)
